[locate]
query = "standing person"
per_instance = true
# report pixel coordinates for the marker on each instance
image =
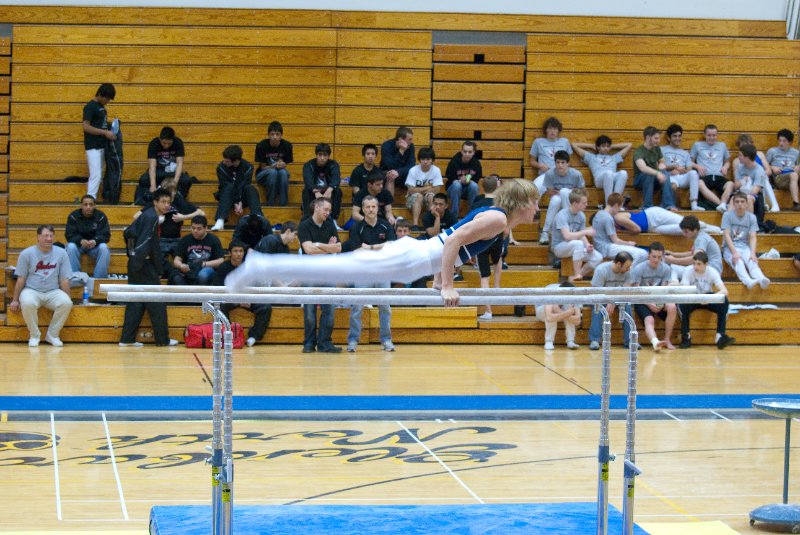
(463, 173)
(491, 260)
(95, 134)
(654, 272)
(571, 237)
(610, 274)
(236, 191)
(397, 157)
(712, 161)
(261, 311)
(371, 234)
(144, 267)
(318, 236)
(679, 166)
(550, 315)
(649, 170)
(43, 274)
(88, 233)
(423, 182)
(706, 279)
(543, 150)
(603, 164)
(783, 162)
(606, 241)
(272, 156)
(358, 177)
(558, 182)
(739, 228)
(322, 178)
(165, 155)
(197, 255)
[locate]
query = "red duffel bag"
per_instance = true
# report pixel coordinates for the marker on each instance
(202, 335)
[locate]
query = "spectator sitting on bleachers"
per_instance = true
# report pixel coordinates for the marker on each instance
(272, 156)
(370, 233)
(423, 182)
(278, 243)
(610, 274)
(558, 182)
(95, 134)
(398, 157)
(649, 170)
(654, 272)
(761, 159)
(358, 177)
(236, 191)
(43, 274)
(402, 229)
(706, 279)
(571, 237)
(322, 178)
(606, 241)
(783, 161)
(197, 255)
(438, 218)
(750, 178)
(678, 163)
(550, 315)
(88, 233)
(543, 150)
(739, 229)
(603, 163)
(165, 155)
(712, 160)
(375, 188)
(261, 311)
(463, 173)
(691, 229)
(490, 260)
(251, 228)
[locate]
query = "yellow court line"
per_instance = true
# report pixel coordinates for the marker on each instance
(687, 528)
(4, 417)
(667, 501)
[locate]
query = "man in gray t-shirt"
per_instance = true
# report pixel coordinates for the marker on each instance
(43, 273)
(609, 274)
(558, 183)
(782, 161)
(606, 240)
(543, 150)
(654, 272)
(739, 228)
(711, 161)
(681, 261)
(571, 237)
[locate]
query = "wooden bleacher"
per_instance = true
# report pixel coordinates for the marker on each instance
(348, 78)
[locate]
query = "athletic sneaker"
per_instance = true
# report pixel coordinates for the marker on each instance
(485, 316)
(388, 345)
(131, 344)
(594, 345)
(544, 238)
(548, 346)
(219, 225)
(686, 342)
(251, 342)
(352, 346)
(572, 345)
(724, 341)
(172, 342)
(33, 341)
(54, 341)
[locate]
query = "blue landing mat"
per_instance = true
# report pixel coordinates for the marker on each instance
(504, 519)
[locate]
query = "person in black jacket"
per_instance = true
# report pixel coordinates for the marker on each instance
(322, 177)
(251, 228)
(88, 233)
(144, 267)
(236, 190)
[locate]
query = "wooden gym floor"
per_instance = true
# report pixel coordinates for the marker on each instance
(698, 466)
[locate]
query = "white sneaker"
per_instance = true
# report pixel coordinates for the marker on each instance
(722, 208)
(697, 208)
(131, 344)
(33, 341)
(548, 346)
(54, 341)
(173, 342)
(388, 345)
(219, 225)
(775, 208)
(352, 346)
(764, 283)
(251, 342)
(544, 238)
(485, 316)
(572, 345)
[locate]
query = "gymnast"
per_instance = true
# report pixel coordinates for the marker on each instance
(658, 220)
(404, 260)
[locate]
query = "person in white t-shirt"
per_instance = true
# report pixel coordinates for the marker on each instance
(552, 314)
(424, 180)
(707, 280)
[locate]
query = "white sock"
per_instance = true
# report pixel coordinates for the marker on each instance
(717, 337)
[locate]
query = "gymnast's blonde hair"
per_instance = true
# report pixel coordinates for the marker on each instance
(515, 194)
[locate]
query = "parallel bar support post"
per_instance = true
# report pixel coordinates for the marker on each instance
(630, 470)
(786, 452)
(216, 415)
(603, 454)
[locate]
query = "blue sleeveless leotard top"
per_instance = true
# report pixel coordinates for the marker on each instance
(640, 218)
(472, 250)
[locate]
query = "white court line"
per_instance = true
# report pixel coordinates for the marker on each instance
(440, 462)
(116, 472)
(672, 416)
(55, 465)
(715, 413)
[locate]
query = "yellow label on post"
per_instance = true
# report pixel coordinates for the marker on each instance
(226, 495)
